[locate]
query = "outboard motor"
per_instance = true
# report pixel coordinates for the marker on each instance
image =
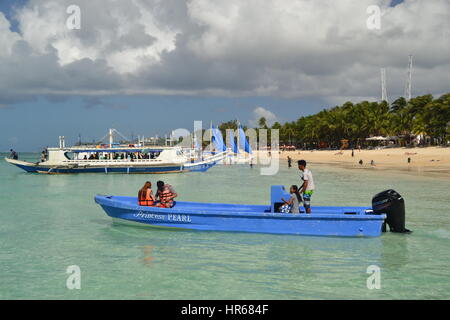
(392, 204)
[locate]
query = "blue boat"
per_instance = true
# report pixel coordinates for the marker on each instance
(323, 221)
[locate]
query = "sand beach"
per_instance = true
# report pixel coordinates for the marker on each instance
(433, 161)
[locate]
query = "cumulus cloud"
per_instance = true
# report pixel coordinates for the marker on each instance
(297, 48)
(260, 112)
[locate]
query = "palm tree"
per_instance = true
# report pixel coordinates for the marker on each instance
(262, 122)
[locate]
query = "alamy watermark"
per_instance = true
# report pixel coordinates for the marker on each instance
(374, 280)
(73, 21)
(74, 279)
(264, 153)
(373, 22)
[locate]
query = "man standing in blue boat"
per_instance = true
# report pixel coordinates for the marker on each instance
(308, 185)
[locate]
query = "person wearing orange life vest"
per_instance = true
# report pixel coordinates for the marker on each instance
(146, 196)
(166, 194)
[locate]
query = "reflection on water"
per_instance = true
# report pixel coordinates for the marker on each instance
(148, 255)
(57, 224)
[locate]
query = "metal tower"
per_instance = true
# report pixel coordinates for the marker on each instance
(409, 79)
(383, 85)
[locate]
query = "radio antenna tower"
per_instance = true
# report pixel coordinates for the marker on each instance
(409, 79)
(383, 85)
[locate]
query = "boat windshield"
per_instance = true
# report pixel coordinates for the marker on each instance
(69, 155)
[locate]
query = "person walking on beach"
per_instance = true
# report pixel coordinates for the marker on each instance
(308, 185)
(289, 160)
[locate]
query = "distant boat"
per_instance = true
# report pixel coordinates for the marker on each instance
(242, 151)
(239, 152)
(324, 221)
(115, 158)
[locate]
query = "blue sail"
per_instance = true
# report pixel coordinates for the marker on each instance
(217, 139)
(233, 144)
(243, 142)
(224, 147)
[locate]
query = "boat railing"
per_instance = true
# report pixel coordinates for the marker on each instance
(113, 160)
(215, 157)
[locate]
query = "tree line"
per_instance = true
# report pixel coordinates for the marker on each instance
(423, 115)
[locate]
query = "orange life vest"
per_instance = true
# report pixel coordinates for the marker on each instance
(165, 197)
(145, 198)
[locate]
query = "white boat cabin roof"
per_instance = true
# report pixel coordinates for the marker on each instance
(121, 149)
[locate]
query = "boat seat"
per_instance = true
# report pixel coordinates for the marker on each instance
(276, 193)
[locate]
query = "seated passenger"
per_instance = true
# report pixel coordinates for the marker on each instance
(292, 205)
(14, 155)
(145, 195)
(166, 194)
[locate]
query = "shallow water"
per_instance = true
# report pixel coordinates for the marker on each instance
(49, 222)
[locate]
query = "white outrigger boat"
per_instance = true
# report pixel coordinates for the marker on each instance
(167, 160)
(117, 159)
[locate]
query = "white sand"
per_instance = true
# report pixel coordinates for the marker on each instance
(431, 159)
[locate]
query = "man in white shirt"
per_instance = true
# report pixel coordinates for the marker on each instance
(308, 185)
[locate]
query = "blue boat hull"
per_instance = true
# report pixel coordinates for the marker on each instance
(154, 169)
(200, 167)
(324, 221)
(168, 169)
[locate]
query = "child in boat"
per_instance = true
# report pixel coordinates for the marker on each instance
(166, 194)
(293, 204)
(146, 196)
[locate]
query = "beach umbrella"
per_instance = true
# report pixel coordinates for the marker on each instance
(378, 138)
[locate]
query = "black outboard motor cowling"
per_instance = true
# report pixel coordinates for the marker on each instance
(392, 204)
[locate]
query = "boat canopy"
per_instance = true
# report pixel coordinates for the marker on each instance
(113, 150)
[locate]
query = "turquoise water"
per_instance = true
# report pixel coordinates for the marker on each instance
(51, 222)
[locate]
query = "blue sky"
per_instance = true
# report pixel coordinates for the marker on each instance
(200, 80)
(8, 6)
